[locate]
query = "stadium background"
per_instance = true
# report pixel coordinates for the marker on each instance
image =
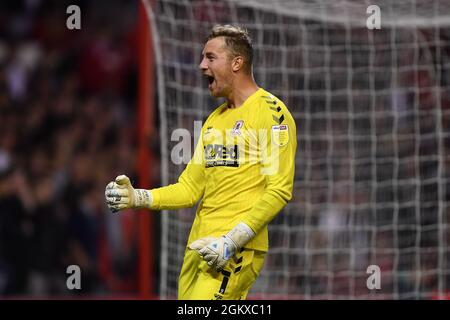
(372, 108)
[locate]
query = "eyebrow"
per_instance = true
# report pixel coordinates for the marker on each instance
(210, 54)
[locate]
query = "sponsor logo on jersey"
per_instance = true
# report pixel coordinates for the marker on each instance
(280, 135)
(220, 155)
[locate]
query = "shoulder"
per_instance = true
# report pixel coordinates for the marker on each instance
(216, 111)
(272, 111)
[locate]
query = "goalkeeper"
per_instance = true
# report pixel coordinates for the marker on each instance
(242, 169)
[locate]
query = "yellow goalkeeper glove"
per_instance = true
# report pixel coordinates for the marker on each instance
(217, 251)
(120, 195)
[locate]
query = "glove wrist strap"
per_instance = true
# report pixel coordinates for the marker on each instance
(241, 234)
(142, 198)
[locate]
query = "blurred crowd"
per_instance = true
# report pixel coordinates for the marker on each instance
(67, 127)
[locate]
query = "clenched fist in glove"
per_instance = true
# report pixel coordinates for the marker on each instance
(120, 195)
(217, 251)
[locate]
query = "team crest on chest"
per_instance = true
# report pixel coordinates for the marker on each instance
(237, 127)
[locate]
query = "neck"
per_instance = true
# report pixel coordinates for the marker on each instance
(242, 88)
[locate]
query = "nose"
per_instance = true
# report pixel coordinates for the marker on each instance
(203, 66)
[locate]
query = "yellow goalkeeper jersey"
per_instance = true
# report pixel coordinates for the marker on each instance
(242, 170)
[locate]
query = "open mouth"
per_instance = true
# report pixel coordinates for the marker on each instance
(210, 79)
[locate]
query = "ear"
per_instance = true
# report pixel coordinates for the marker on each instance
(237, 63)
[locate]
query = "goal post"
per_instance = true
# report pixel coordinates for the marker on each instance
(372, 108)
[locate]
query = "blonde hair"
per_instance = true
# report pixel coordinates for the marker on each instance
(237, 41)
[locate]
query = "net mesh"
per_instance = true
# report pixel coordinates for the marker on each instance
(372, 109)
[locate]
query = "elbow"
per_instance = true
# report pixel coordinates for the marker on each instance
(282, 194)
(286, 195)
(193, 197)
(193, 201)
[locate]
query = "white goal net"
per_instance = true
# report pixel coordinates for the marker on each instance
(372, 108)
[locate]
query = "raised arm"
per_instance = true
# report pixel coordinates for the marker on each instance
(121, 195)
